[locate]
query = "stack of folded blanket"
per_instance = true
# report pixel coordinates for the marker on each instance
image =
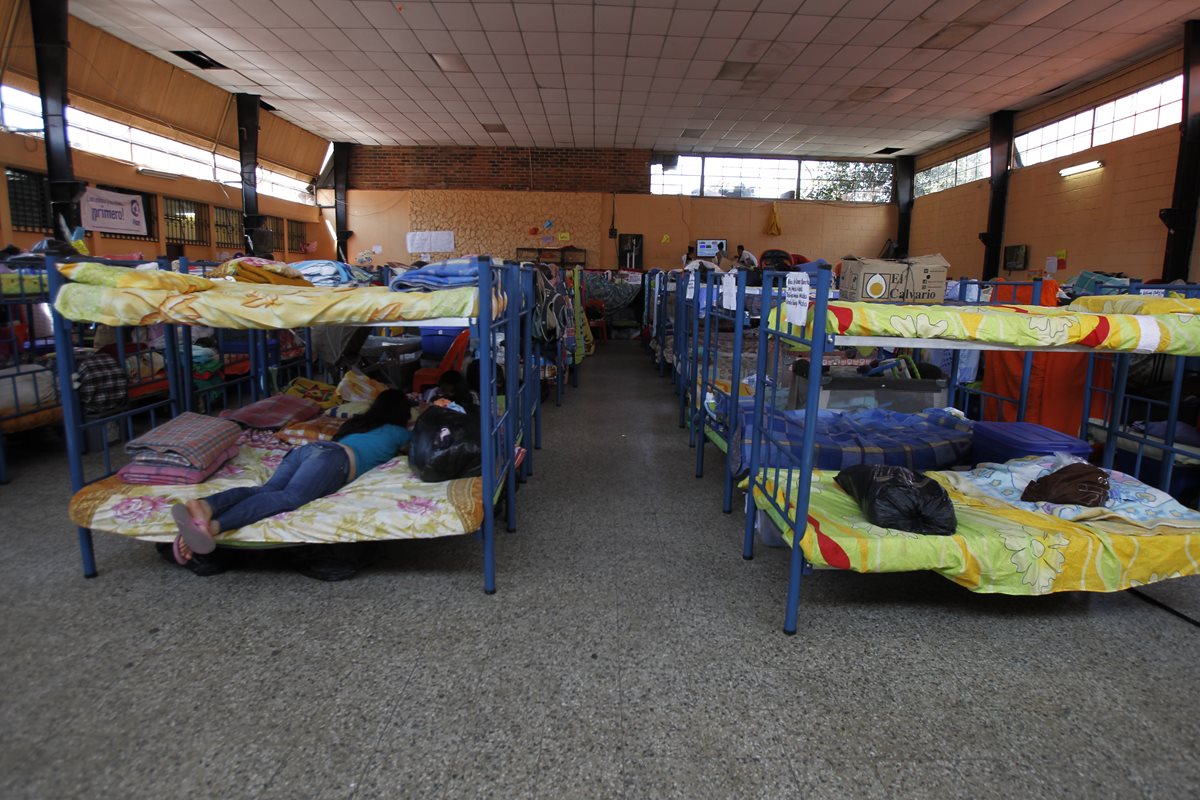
(450, 274)
(188, 449)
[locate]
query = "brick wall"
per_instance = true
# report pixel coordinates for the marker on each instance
(503, 168)
(949, 222)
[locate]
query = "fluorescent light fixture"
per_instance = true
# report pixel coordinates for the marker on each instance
(1087, 166)
(157, 173)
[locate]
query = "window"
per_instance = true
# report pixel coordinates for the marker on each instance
(149, 208)
(22, 112)
(186, 221)
(847, 181)
(227, 224)
(296, 238)
(783, 178)
(275, 226)
(750, 177)
(682, 178)
(971, 167)
(29, 201)
(1149, 109)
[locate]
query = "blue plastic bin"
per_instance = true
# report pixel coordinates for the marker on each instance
(436, 341)
(997, 442)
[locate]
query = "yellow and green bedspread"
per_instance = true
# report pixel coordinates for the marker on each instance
(1135, 304)
(997, 548)
(389, 502)
(17, 284)
(245, 305)
(1020, 326)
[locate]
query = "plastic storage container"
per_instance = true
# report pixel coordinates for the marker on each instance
(997, 442)
(436, 341)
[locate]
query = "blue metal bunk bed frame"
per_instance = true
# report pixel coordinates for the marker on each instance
(20, 350)
(498, 426)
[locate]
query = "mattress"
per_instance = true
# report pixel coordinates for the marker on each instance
(1016, 326)
(1135, 304)
(241, 306)
(389, 502)
(23, 284)
(30, 421)
(932, 439)
(996, 549)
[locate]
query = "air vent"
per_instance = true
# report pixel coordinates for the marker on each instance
(494, 127)
(691, 133)
(451, 62)
(265, 106)
(198, 59)
(950, 36)
(887, 151)
(734, 70)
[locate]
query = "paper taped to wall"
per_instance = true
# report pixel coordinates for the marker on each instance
(430, 241)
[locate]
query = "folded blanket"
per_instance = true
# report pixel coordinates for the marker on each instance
(274, 412)
(190, 440)
(151, 474)
(317, 429)
(450, 274)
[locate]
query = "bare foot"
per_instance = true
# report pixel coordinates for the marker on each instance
(200, 510)
(181, 552)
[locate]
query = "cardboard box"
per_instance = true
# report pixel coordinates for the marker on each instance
(914, 280)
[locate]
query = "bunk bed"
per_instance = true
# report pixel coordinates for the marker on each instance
(1142, 535)
(386, 503)
(28, 389)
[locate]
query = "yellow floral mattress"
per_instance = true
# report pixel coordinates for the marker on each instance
(1135, 304)
(245, 305)
(997, 549)
(16, 283)
(389, 502)
(1017, 326)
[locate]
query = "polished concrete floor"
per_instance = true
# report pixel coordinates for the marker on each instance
(629, 652)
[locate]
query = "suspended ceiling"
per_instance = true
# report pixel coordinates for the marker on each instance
(812, 77)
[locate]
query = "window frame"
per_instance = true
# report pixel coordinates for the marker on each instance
(792, 194)
(47, 214)
(201, 224)
(231, 220)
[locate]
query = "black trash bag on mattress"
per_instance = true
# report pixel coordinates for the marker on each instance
(445, 445)
(897, 497)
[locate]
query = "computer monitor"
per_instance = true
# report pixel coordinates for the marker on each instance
(707, 248)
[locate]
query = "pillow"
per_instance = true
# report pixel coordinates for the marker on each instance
(125, 278)
(347, 410)
(356, 388)
(274, 412)
(320, 393)
(317, 429)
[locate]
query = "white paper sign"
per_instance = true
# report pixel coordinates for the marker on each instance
(1051, 265)
(796, 293)
(729, 290)
(113, 212)
(430, 241)
(689, 279)
(1153, 292)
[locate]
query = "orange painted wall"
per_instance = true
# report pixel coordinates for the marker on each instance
(949, 223)
(25, 152)
(1106, 219)
(498, 222)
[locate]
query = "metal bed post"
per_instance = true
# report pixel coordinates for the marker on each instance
(537, 419)
(693, 369)
(1089, 377)
(682, 325)
(760, 384)
(811, 411)
(1116, 413)
(1027, 364)
(530, 386)
(1167, 468)
(510, 280)
(734, 408)
(952, 384)
(699, 412)
(187, 379)
(72, 414)
(487, 423)
(660, 319)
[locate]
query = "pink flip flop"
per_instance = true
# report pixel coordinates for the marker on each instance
(192, 531)
(177, 554)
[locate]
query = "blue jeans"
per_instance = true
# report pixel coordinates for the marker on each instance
(305, 474)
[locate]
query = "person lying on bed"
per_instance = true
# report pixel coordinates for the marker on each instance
(305, 474)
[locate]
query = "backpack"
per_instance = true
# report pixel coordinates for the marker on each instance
(551, 319)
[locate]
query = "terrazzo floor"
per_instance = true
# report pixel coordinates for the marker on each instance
(630, 652)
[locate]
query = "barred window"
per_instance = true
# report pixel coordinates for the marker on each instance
(847, 181)
(29, 201)
(275, 226)
(750, 177)
(228, 228)
(186, 221)
(971, 167)
(149, 209)
(296, 236)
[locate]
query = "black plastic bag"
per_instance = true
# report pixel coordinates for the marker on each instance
(897, 497)
(445, 445)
